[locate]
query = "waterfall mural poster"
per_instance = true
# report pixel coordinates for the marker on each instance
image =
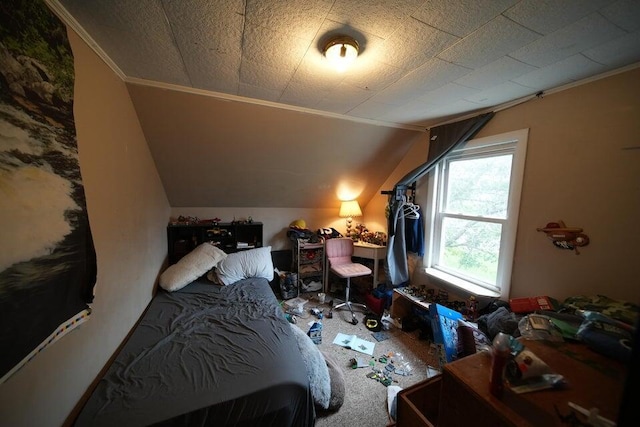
(47, 256)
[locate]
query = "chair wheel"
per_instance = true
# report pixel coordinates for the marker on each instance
(354, 321)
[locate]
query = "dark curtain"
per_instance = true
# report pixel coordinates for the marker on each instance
(443, 140)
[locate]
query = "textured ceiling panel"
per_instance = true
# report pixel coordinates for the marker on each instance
(623, 13)
(449, 111)
(618, 52)
(380, 18)
(562, 72)
(499, 94)
(257, 92)
(495, 73)
(421, 63)
(344, 98)
(371, 109)
(264, 75)
(446, 94)
(265, 46)
(298, 94)
(315, 74)
(377, 77)
(414, 43)
(489, 43)
(545, 17)
(210, 42)
(270, 50)
(433, 74)
(300, 19)
(584, 34)
(460, 18)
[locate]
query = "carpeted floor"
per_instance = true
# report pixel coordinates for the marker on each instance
(365, 398)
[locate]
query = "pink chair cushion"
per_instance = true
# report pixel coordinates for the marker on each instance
(339, 253)
(351, 270)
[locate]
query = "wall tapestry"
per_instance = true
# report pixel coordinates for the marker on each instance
(47, 257)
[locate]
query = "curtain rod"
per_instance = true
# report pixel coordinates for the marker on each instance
(400, 187)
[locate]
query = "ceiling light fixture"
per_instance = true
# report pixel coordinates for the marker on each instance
(341, 52)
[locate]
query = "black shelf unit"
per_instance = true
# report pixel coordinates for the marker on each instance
(228, 236)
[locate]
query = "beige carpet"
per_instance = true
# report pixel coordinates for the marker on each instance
(365, 401)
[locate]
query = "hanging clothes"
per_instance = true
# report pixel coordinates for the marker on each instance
(396, 247)
(414, 234)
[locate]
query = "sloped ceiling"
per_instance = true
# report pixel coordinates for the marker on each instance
(243, 85)
(210, 151)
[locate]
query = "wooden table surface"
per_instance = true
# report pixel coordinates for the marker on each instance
(593, 381)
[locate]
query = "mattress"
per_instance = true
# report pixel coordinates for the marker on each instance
(206, 355)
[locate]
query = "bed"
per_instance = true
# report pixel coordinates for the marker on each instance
(207, 354)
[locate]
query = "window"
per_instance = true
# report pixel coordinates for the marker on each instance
(472, 214)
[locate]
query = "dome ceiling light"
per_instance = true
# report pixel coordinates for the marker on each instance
(341, 52)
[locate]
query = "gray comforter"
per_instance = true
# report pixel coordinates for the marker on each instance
(206, 355)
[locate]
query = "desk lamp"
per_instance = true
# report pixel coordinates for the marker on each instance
(350, 209)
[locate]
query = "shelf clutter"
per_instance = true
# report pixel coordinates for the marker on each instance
(185, 233)
(579, 340)
(309, 264)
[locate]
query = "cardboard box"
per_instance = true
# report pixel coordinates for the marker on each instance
(444, 323)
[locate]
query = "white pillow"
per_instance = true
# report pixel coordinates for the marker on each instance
(193, 265)
(244, 264)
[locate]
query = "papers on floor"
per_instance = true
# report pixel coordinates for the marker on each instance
(354, 343)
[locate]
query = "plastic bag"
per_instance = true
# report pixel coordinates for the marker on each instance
(538, 327)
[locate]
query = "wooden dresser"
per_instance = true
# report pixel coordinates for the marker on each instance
(460, 396)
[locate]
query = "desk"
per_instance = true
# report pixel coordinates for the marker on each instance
(593, 381)
(370, 251)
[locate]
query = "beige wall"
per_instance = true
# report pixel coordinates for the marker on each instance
(578, 170)
(128, 211)
(375, 210)
(276, 220)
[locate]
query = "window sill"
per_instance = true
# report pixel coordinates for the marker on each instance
(458, 284)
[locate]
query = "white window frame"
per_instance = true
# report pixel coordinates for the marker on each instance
(516, 143)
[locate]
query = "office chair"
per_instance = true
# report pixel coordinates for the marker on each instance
(339, 252)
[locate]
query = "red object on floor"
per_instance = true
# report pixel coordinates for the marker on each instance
(374, 304)
(530, 304)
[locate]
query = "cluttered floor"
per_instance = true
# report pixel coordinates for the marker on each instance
(377, 361)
